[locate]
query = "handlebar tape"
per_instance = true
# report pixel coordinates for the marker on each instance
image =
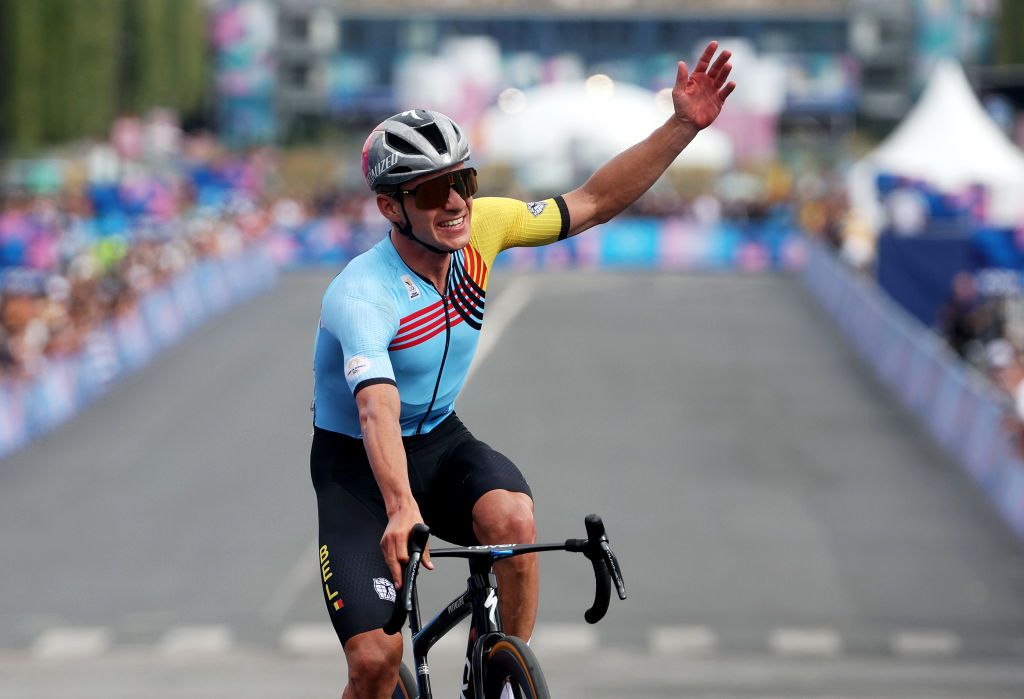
(602, 592)
(596, 543)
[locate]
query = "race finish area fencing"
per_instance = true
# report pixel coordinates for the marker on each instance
(785, 525)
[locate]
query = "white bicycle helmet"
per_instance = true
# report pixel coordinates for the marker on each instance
(411, 144)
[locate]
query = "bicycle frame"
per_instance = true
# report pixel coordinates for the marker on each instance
(481, 597)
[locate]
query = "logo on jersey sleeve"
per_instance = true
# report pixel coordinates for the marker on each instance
(410, 286)
(537, 207)
(356, 367)
(385, 589)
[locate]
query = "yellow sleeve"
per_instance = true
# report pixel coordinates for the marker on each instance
(499, 224)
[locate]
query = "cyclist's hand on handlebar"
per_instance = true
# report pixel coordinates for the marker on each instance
(395, 542)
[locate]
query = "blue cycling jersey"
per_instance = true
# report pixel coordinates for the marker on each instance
(380, 322)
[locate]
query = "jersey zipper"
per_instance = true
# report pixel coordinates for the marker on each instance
(444, 356)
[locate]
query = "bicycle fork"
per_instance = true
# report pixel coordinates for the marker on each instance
(485, 629)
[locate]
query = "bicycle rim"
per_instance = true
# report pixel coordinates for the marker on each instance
(406, 687)
(511, 660)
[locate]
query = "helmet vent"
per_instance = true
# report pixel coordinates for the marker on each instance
(434, 135)
(400, 169)
(400, 144)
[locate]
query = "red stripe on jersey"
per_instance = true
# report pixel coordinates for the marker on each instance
(474, 265)
(417, 314)
(405, 327)
(412, 343)
(414, 334)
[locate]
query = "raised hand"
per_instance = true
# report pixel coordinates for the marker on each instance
(698, 96)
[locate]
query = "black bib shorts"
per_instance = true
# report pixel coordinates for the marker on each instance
(449, 470)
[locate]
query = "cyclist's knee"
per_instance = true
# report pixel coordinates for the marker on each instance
(373, 659)
(504, 517)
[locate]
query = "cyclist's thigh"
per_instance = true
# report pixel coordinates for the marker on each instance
(354, 579)
(468, 470)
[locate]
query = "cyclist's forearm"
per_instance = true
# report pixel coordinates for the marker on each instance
(383, 444)
(382, 438)
(623, 179)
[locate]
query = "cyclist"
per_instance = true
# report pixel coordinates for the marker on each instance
(398, 329)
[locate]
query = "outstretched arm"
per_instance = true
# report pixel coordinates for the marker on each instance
(697, 99)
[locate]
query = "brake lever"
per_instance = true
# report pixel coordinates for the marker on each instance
(613, 567)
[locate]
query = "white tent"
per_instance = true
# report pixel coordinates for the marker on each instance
(949, 141)
(554, 127)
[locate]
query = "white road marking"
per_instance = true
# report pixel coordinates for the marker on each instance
(311, 640)
(195, 641)
(925, 643)
(499, 316)
(808, 642)
(564, 638)
(68, 643)
(682, 640)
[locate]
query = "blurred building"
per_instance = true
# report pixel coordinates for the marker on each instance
(345, 59)
(348, 59)
(898, 42)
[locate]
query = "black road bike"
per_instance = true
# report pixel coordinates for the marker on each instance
(493, 658)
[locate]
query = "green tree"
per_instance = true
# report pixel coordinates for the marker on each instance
(1010, 44)
(22, 28)
(94, 67)
(67, 67)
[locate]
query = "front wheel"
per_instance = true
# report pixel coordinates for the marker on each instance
(511, 660)
(406, 687)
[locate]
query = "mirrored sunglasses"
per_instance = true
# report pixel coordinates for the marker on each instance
(433, 194)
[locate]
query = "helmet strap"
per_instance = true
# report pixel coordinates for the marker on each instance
(406, 230)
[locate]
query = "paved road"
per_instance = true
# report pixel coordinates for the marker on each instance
(767, 500)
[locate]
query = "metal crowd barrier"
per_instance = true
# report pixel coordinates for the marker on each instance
(30, 408)
(961, 409)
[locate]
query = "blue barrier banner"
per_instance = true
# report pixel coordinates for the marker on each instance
(163, 322)
(1014, 499)
(51, 397)
(134, 345)
(13, 428)
(128, 342)
(982, 436)
(959, 407)
(97, 365)
(894, 354)
(214, 286)
(189, 299)
(683, 245)
(643, 243)
(950, 410)
(632, 243)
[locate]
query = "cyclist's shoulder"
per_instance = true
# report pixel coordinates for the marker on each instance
(492, 218)
(486, 207)
(365, 277)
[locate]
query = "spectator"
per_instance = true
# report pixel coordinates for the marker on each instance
(961, 319)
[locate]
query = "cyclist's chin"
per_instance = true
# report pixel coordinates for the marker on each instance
(450, 239)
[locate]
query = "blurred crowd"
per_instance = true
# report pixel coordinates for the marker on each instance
(987, 331)
(83, 237)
